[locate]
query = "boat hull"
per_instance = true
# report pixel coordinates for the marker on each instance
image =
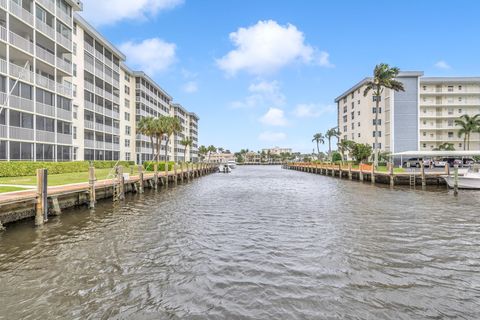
(472, 183)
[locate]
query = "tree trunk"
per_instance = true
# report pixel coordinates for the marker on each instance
(166, 152)
(153, 147)
(330, 148)
(185, 154)
(318, 149)
(375, 151)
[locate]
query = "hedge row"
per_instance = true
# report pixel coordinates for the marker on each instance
(149, 165)
(29, 168)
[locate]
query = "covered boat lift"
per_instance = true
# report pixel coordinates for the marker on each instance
(432, 154)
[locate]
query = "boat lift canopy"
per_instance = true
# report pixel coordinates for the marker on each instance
(426, 154)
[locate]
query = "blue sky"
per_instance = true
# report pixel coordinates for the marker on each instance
(265, 73)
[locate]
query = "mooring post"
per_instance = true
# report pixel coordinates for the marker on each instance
(372, 173)
(121, 183)
(349, 171)
(455, 180)
(447, 169)
(167, 171)
(360, 175)
(392, 177)
(41, 212)
(422, 170)
(155, 175)
(140, 179)
(175, 177)
(91, 187)
(181, 175)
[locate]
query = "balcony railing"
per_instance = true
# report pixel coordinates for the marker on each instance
(22, 133)
(116, 147)
(20, 42)
(99, 73)
(89, 67)
(108, 145)
(3, 4)
(116, 99)
(3, 131)
(99, 55)
(45, 82)
(20, 72)
(64, 41)
(46, 29)
(89, 143)
(45, 55)
(99, 91)
(98, 109)
(116, 68)
(45, 109)
(64, 65)
(3, 66)
(89, 105)
(89, 86)
(48, 4)
(3, 34)
(116, 83)
(21, 13)
(64, 89)
(108, 112)
(21, 103)
(89, 48)
(108, 78)
(64, 114)
(89, 124)
(45, 136)
(99, 145)
(115, 115)
(64, 17)
(116, 131)
(108, 129)
(99, 127)
(64, 138)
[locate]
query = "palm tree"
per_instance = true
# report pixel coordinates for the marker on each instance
(186, 143)
(318, 138)
(445, 147)
(331, 133)
(467, 125)
(383, 78)
(345, 146)
(172, 126)
(211, 149)
(202, 151)
(146, 126)
(160, 130)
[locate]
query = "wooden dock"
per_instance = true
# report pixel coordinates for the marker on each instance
(368, 173)
(49, 201)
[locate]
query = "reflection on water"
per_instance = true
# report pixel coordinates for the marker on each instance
(260, 243)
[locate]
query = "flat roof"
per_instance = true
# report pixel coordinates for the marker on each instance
(97, 35)
(450, 79)
(462, 153)
(365, 80)
(193, 114)
(77, 5)
(142, 74)
(179, 106)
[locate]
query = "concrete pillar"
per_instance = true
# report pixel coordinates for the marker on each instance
(91, 187)
(56, 211)
(41, 207)
(140, 179)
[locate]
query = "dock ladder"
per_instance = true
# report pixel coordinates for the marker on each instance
(412, 180)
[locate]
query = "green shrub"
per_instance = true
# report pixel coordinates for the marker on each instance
(336, 157)
(29, 168)
(149, 165)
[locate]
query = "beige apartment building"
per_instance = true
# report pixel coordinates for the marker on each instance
(421, 118)
(277, 151)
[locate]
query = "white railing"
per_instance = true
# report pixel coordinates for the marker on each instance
(116, 147)
(115, 115)
(99, 145)
(108, 129)
(108, 112)
(89, 124)
(89, 67)
(64, 114)
(88, 47)
(116, 68)
(20, 42)
(65, 90)
(47, 4)
(46, 29)
(64, 41)
(3, 66)
(99, 127)
(108, 145)
(99, 55)
(99, 73)
(64, 17)
(21, 13)
(45, 109)
(45, 55)
(3, 4)
(3, 131)
(108, 95)
(20, 72)
(45, 136)
(64, 65)
(89, 105)
(21, 133)
(45, 82)
(116, 99)
(116, 83)
(89, 144)
(3, 34)
(64, 138)
(108, 78)
(116, 131)
(21, 103)
(98, 91)
(89, 86)
(3, 98)
(98, 109)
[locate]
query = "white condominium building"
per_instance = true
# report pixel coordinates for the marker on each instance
(420, 118)
(277, 151)
(189, 123)
(35, 66)
(72, 96)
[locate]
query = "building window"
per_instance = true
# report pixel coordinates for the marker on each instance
(344, 109)
(450, 123)
(358, 113)
(127, 143)
(460, 99)
(358, 102)
(353, 115)
(379, 134)
(459, 87)
(353, 105)
(450, 88)
(424, 145)
(353, 94)
(450, 134)
(127, 156)
(358, 124)
(127, 130)
(74, 70)
(127, 103)
(74, 132)
(127, 116)
(424, 134)
(460, 110)
(345, 118)
(74, 49)
(353, 126)
(359, 135)
(344, 128)
(424, 88)
(127, 90)
(375, 98)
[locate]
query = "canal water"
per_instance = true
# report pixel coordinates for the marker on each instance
(260, 243)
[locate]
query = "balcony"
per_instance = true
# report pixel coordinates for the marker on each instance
(20, 42)
(3, 34)
(89, 67)
(108, 145)
(116, 147)
(98, 109)
(45, 136)
(90, 144)
(108, 78)
(89, 86)
(64, 65)
(64, 138)
(3, 131)
(21, 103)
(3, 66)
(116, 68)
(65, 90)
(116, 83)
(64, 41)
(45, 82)
(46, 29)
(99, 127)
(48, 4)
(99, 91)
(108, 95)
(45, 55)
(21, 73)
(99, 73)
(22, 133)
(108, 112)
(89, 48)
(99, 55)
(89, 105)
(99, 145)
(64, 114)
(115, 115)
(21, 13)
(89, 125)
(116, 99)
(64, 17)
(45, 109)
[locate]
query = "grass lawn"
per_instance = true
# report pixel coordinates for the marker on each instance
(395, 170)
(10, 189)
(57, 179)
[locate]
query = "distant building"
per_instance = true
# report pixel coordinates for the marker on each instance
(253, 157)
(221, 157)
(277, 151)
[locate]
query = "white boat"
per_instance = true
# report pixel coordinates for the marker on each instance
(223, 168)
(469, 180)
(232, 164)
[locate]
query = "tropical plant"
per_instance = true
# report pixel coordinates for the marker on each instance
(318, 138)
(361, 152)
(211, 149)
(146, 126)
(171, 125)
(187, 142)
(336, 156)
(445, 147)
(467, 125)
(202, 151)
(345, 146)
(384, 77)
(331, 133)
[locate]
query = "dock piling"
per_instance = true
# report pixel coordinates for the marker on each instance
(91, 187)
(140, 179)
(390, 171)
(422, 172)
(455, 180)
(372, 174)
(155, 175)
(41, 212)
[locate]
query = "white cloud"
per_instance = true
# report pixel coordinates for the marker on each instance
(190, 87)
(442, 64)
(272, 136)
(105, 12)
(151, 55)
(312, 110)
(274, 117)
(262, 93)
(267, 47)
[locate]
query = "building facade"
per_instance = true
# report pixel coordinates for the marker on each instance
(66, 93)
(277, 151)
(419, 119)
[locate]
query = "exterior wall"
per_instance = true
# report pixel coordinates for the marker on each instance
(192, 153)
(277, 150)
(127, 114)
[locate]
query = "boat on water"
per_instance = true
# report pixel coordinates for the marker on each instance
(224, 168)
(470, 179)
(232, 164)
